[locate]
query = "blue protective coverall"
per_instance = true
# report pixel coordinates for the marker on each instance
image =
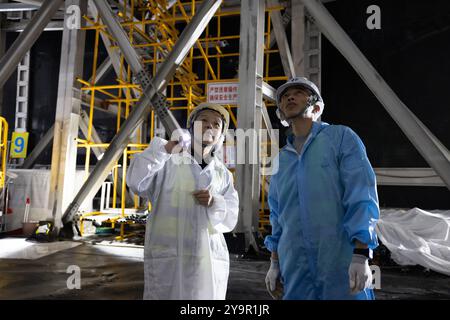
(320, 202)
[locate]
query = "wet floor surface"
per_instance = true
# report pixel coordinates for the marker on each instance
(109, 272)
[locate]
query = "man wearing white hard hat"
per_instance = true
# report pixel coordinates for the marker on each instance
(193, 204)
(323, 205)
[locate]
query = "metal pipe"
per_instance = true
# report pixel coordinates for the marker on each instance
(134, 62)
(27, 38)
(425, 142)
(39, 148)
(180, 50)
(32, 2)
(14, 7)
(117, 31)
(114, 55)
(150, 97)
(298, 33)
(98, 151)
(282, 41)
(133, 59)
(101, 72)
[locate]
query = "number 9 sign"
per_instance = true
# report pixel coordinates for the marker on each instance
(19, 144)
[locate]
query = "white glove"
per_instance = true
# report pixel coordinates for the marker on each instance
(183, 137)
(273, 283)
(359, 274)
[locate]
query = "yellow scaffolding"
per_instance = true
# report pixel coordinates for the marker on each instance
(154, 36)
(3, 149)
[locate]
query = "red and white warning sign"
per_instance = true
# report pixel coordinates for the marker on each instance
(223, 92)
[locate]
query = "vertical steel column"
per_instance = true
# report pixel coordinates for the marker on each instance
(249, 115)
(425, 142)
(150, 98)
(282, 41)
(68, 107)
(313, 51)
(298, 37)
(285, 18)
(2, 51)
(27, 38)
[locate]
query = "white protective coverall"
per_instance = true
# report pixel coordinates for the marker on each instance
(185, 253)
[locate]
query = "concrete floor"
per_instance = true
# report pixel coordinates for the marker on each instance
(109, 272)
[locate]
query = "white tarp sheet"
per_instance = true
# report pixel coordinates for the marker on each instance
(417, 237)
(35, 184)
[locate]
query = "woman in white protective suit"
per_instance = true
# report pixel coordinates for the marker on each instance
(193, 204)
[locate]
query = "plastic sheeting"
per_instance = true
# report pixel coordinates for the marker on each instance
(35, 184)
(417, 237)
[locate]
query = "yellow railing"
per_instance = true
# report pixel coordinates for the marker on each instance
(3, 149)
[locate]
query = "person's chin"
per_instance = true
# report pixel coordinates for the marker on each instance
(292, 113)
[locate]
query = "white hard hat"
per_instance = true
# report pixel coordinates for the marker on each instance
(298, 82)
(209, 106)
